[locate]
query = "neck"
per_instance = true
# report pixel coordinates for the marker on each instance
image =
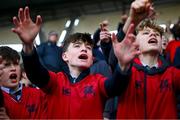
(16, 88)
(149, 59)
(74, 71)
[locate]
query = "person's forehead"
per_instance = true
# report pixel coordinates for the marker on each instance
(4, 61)
(81, 42)
(149, 29)
(78, 41)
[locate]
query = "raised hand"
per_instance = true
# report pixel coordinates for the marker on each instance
(25, 28)
(126, 50)
(140, 9)
(105, 35)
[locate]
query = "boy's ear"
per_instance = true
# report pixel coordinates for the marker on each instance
(64, 56)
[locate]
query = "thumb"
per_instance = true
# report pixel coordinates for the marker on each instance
(101, 27)
(38, 20)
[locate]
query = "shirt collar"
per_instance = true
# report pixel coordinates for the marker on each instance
(155, 65)
(10, 91)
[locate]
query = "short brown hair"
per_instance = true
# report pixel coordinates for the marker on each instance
(151, 24)
(84, 37)
(9, 54)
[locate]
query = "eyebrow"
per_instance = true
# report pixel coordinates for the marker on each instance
(146, 29)
(78, 42)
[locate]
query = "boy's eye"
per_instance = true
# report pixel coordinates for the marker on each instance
(157, 34)
(145, 33)
(7, 64)
(89, 47)
(16, 63)
(76, 45)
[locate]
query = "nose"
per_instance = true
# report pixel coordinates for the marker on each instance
(84, 48)
(12, 67)
(153, 33)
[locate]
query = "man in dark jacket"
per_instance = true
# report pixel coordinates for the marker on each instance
(49, 53)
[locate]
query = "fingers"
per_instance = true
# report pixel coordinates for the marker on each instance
(21, 15)
(131, 38)
(17, 24)
(140, 6)
(136, 53)
(15, 21)
(114, 38)
(135, 50)
(147, 7)
(151, 12)
(130, 29)
(103, 27)
(38, 20)
(150, 1)
(105, 38)
(105, 35)
(13, 30)
(26, 13)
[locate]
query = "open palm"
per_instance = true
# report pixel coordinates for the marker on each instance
(126, 50)
(25, 28)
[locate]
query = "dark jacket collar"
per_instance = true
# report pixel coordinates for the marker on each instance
(162, 66)
(51, 43)
(80, 77)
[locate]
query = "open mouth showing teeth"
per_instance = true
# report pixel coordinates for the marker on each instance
(13, 76)
(152, 41)
(83, 56)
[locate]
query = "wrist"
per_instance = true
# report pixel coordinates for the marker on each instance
(28, 48)
(124, 67)
(133, 21)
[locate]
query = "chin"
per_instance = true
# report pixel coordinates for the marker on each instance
(152, 48)
(13, 86)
